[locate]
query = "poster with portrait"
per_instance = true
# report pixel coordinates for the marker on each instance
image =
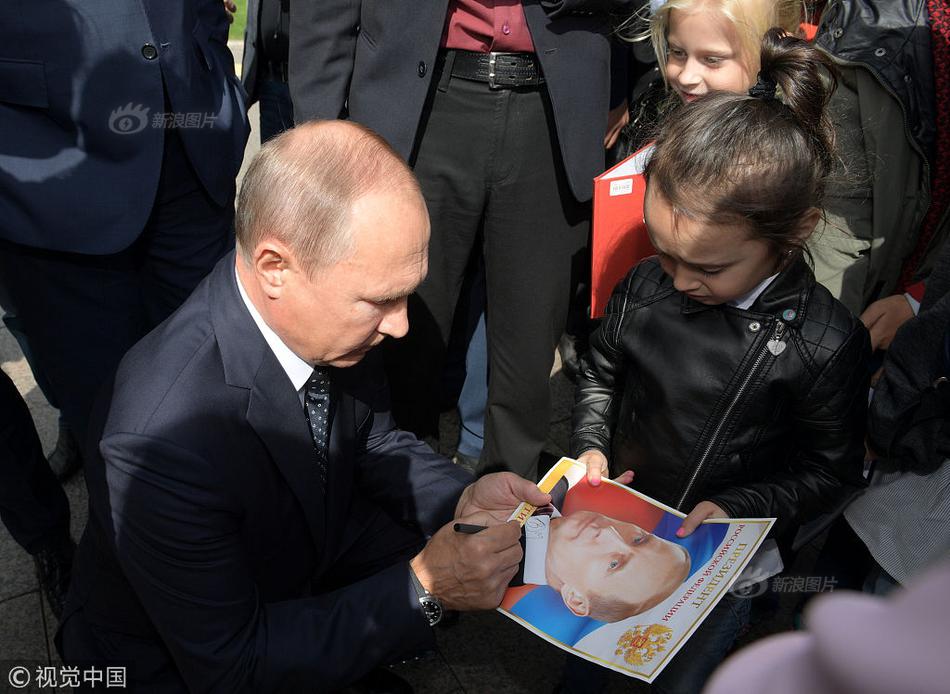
(605, 577)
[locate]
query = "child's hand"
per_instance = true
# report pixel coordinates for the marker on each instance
(597, 468)
(703, 510)
(596, 463)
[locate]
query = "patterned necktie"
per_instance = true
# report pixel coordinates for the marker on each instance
(316, 401)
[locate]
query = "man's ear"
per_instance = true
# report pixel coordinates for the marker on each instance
(575, 600)
(271, 262)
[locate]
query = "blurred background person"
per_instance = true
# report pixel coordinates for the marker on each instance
(264, 65)
(502, 109)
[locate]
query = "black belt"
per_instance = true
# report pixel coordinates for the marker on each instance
(499, 70)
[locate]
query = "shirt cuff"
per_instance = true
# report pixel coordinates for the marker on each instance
(914, 303)
(917, 289)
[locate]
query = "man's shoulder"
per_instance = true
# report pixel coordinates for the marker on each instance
(176, 367)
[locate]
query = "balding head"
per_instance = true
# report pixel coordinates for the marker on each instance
(301, 187)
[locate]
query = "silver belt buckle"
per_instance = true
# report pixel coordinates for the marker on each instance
(491, 70)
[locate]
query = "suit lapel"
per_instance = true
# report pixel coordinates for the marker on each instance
(275, 413)
(274, 410)
(340, 466)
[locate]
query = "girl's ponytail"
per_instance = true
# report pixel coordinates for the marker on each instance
(806, 78)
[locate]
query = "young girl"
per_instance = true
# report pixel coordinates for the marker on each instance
(713, 45)
(710, 44)
(701, 46)
(723, 376)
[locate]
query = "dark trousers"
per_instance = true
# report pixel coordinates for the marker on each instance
(490, 169)
(277, 110)
(80, 313)
(33, 506)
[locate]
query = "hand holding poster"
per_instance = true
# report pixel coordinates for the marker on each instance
(606, 578)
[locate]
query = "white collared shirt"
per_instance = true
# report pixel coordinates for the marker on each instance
(745, 302)
(297, 370)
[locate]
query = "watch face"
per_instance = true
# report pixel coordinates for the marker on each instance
(432, 609)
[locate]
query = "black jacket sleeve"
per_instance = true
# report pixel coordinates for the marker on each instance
(599, 389)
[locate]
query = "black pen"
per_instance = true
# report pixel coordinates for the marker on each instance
(468, 528)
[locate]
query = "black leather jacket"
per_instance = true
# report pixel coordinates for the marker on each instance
(704, 402)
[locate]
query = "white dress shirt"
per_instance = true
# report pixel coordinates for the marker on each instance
(297, 370)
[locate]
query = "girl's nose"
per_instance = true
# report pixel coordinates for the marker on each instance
(690, 76)
(685, 280)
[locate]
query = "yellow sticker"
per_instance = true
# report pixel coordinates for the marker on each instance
(547, 483)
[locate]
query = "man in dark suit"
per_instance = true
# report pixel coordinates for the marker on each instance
(122, 127)
(264, 64)
(502, 110)
(256, 521)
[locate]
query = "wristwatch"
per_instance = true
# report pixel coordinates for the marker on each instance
(431, 605)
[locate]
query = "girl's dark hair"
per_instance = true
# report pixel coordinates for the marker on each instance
(762, 162)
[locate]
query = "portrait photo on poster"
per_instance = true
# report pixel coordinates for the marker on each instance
(606, 578)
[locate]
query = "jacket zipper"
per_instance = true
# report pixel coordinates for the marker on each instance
(777, 334)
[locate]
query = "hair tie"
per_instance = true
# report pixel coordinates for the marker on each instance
(764, 89)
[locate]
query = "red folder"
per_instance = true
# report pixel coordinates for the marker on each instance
(619, 237)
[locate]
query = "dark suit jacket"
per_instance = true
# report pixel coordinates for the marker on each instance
(374, 62)
(249, 57)
(79, 154)
(207, 523)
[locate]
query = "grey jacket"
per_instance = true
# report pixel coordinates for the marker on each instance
(884, 113)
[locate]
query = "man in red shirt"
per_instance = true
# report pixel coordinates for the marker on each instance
(502, 109)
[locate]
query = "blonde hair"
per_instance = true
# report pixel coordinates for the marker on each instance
(750, 18)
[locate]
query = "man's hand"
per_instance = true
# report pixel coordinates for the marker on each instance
(470, 572)
(230, 7)
(598, 468)
(616, 119)
(884, 317)
(702, 511)
(498, 495)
